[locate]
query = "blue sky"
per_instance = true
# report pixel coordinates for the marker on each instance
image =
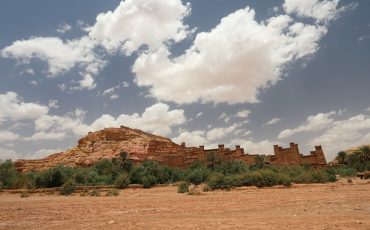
(254, 73)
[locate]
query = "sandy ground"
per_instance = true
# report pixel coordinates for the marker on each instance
(340, 205)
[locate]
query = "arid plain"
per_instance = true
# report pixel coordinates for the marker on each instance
(339, 205)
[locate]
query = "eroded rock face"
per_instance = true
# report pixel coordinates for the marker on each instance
(107, 143)
(140, 146)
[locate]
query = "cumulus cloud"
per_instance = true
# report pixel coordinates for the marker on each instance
(14, 109)
(273, 121)
(64, 27)
(264, 147)
(6, 154)
(313, 123)
(344, 134)
(194, 138)
(158, 119)
(208, 138)
(47, 136)
(199, 114)
(140, 22)
(250, 55)
(64, 56)
(219, 133)
(242, 114)
(53, 104)
(8, 136)
(320, 10)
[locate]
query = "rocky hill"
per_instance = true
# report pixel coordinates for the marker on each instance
(107, 143)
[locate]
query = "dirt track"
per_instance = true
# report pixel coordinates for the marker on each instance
(324, 206)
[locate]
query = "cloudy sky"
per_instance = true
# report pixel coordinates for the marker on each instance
(254, 73)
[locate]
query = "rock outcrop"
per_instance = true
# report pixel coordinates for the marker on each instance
(140, 146)
(107, 143)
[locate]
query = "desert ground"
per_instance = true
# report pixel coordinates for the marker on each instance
(340, 205)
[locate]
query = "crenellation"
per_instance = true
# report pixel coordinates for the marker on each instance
(140, 146)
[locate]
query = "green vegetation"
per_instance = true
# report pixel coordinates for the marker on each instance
(68, 188)
(122, 181)
(215, 173)
(183, 187)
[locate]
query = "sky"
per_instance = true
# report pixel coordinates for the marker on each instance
(252, 73)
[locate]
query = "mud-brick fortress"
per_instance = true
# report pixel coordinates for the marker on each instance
(140, 146)
(282, 156)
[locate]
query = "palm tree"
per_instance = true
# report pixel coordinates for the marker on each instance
(342, 157)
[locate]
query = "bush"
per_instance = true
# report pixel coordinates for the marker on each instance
(8, 173)
(198, 175)
(183, 187)
(122, 181)
(1, 186)
(149, 181)
(68, 188)
(285, 180)
(232, 167)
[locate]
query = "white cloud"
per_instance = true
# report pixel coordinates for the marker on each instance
(114, 96)
(243, 114)
(226, 118)
(53, 104)
(8, 136)
(320, 10)
(47, 136)
(273, 121)
(125, 84)
(6, 154)
(195, 138)
(344, 134)
(33, 82)
(367, 109)
(140, 22)
(28, 71)
(64, 27)
(317, 122)
(251, 54)
(199, 114)
(157, 119)
(43, 153)
(219, 133)
(64, 56)
(12, 108)
(265, 147)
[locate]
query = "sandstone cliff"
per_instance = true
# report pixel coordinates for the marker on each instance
(107, 143)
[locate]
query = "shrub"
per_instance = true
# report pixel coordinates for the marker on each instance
(1, 186)
(216, 181)
(285, 180)
(8, 173)
(68, 188)
(183, 187)
(148, 181)
(232, 167)
(122, 181)
(198, 175)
